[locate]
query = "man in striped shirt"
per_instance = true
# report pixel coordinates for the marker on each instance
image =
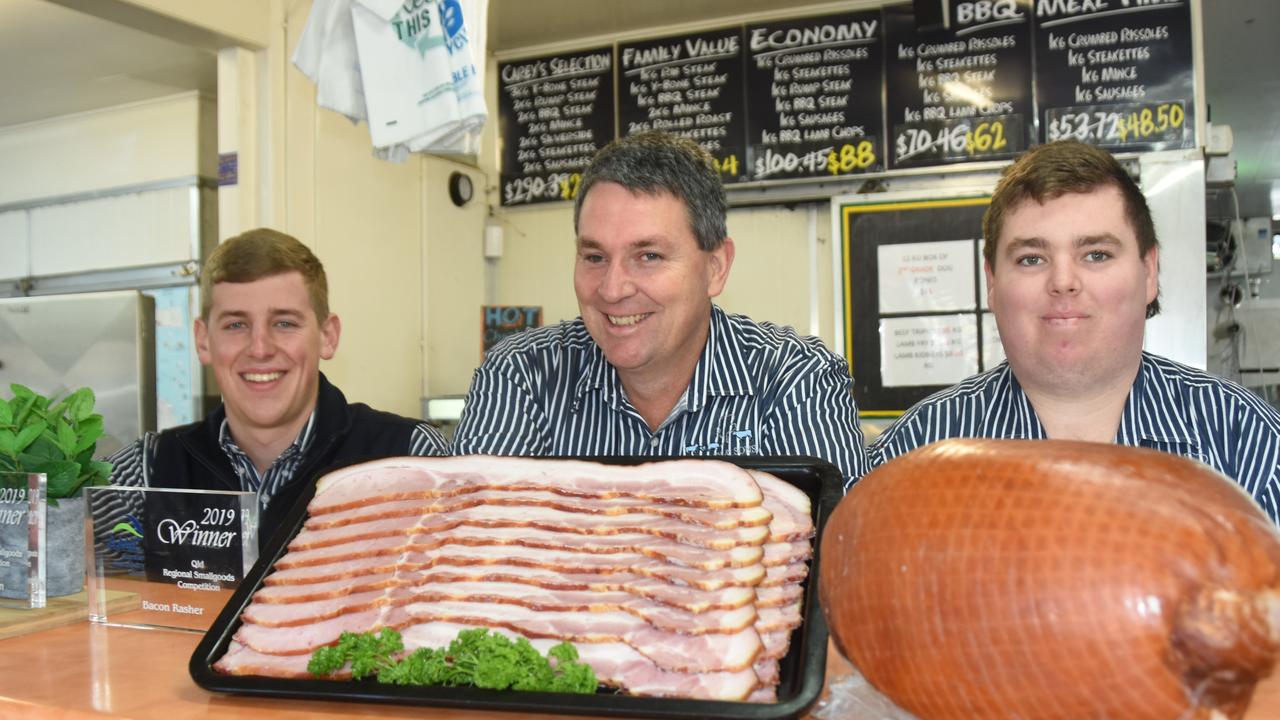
(1071, 261)
(264, 327)
(652, 367)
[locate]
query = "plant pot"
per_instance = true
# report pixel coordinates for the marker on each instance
(64, 538)
(64, 548)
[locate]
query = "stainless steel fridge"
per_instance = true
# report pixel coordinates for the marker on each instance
(103, 340)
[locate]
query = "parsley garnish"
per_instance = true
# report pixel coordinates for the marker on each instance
(476, 657)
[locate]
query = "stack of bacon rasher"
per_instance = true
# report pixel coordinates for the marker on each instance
(678, 579)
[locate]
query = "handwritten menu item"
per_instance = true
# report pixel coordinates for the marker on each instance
(1116, 74)
(961, 94)
(927, 350)
(554, 112)
(926, 276)
(814, 104)
(691, 86)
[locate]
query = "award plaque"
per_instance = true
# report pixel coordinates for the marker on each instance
(168, 558)
(23, 502)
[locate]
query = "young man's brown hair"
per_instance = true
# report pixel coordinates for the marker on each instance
(262, 253)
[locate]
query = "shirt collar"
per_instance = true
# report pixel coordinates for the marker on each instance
(1019, 418)
(1140, 423)
(240, 459)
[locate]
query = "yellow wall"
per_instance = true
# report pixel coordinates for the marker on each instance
(364, 218)
(142, 142)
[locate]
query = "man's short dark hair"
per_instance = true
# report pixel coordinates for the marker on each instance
(657, 162)
(262, 253)
(1050, 171)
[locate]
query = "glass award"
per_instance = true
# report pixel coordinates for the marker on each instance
(167, 558)
(23, 554)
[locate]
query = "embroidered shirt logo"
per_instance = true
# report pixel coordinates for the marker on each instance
(731, 442)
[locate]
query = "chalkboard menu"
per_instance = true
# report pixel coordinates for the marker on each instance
(1119, 77)
(690, 85)
(814, 103)
(913, 285)
(860, 91)
(960, 94)
(554, 112)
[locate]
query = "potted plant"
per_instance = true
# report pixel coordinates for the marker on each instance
(39, 434)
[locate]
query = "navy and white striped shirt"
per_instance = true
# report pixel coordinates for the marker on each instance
(758, 389)
(1171, 407)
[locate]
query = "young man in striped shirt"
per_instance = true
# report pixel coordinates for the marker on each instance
(1071, 261)
(652, 367)
(264, 326)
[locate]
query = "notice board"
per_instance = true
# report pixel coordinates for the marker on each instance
(914, 298)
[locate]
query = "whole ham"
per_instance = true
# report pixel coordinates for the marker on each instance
(1052, 579)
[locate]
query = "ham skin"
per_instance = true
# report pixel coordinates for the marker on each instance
(1053, 579)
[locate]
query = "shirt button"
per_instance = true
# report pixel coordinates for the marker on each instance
(653, 442)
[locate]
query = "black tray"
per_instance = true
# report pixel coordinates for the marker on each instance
(802, 671)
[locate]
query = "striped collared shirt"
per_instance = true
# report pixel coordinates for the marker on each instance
(1171, 407)
(131, 464)
(266, 485)
(758, 389)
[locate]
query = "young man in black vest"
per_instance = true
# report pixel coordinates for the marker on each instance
(264, 327)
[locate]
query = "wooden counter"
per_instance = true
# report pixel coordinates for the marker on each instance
(70, 672)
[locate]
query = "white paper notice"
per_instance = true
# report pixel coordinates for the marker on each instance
(928, 350)
(926, 277)
(992, 350)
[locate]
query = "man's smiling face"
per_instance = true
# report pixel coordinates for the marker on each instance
(644, 286)
(264, 343)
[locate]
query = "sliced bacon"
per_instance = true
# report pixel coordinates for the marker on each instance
(720, 519)
(787, 553)
(790, 507)
(696, 483)
(669, 650)
(569, 562)
(535, 517)
(776, 644)
(763, 695)
(676, 579)
(661, 548)
(767, 670)
(776, 575)
(778, 595)
(658, 615)
(682, 596)
(240, 659)
(615, 664)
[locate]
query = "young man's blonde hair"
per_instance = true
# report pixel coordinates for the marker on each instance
(259, 254)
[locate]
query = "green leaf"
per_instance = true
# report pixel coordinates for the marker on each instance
(96, 472)
(63, 476)
(66, 438)
(43, 449)
(28, 435)
(88, 432)
(80, 404)
(6, 412)
(8, 443)
(21, 391)
(24, 409)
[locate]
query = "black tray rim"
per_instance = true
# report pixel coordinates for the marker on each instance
(810, 652)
